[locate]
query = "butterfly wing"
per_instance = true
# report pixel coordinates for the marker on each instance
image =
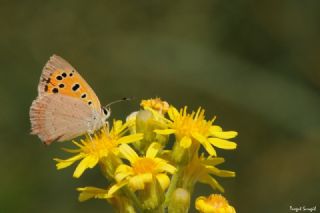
(59, 77)
(58, 117)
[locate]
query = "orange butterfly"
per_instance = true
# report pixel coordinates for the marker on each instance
(66, 106)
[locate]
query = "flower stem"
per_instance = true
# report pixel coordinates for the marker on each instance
(132, 196)
(173, 184)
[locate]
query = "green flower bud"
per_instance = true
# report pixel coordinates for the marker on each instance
(146, 123)
(180, 201)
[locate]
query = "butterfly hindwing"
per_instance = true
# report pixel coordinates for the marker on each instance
(59, 117)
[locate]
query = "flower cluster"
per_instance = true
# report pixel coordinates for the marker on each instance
(142, 173)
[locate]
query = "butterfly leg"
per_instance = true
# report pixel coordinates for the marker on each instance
(90, 132)
(105, 127)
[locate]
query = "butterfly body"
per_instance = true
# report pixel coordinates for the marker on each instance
(66, 106)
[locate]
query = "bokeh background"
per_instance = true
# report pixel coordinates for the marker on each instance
(254, 64)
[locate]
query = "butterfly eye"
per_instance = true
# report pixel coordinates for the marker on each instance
(105, 111)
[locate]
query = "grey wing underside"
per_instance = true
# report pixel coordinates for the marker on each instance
(57, 117)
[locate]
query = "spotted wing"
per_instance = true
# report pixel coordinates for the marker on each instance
(59, 77)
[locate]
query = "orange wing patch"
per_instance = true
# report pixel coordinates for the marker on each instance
(59, 77)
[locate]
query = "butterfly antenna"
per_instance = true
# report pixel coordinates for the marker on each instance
(118, 101)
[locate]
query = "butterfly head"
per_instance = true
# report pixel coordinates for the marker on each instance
(107, 112)
(107, 109)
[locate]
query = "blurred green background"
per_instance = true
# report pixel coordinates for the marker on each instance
(254, 64)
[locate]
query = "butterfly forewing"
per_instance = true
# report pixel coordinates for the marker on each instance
(59, 77)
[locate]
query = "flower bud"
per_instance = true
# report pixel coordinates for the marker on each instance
(146, 123)
(215, 203)
(180, 201)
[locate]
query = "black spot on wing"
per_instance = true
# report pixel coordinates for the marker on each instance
(75, 87)
(55, 90)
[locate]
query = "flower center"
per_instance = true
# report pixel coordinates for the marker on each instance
(144, 165)
(185, 124)
(100, 145)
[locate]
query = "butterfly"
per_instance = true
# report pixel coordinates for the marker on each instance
(66, 106)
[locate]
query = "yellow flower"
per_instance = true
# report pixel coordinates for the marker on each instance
(191, 128)
(92, 150)
(201, 169)
(147, 176)
(215, 203)
(142, 169)
(155, 104)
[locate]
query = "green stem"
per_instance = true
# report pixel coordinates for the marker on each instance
(173, 184)
(132, 196)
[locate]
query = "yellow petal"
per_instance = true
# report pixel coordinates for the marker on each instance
(87, 162)
(203, 140)
(153, 150)
(164, 131)
(221, 173)
(212, 182)
(130, 138)
(128, 153)
(146, 177)
(218, 132)
(137, 182)
(185, 142)
(78, 144)
(65, 163)
(167, 168)
(91, 192)
(173, 113)
(225, 135)
(122, 172)
(222, 144)
(71, 150)
(117, 126)
(163, 166)
(116, 187)
(215, 128)
(214, 161)
(163, 180)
